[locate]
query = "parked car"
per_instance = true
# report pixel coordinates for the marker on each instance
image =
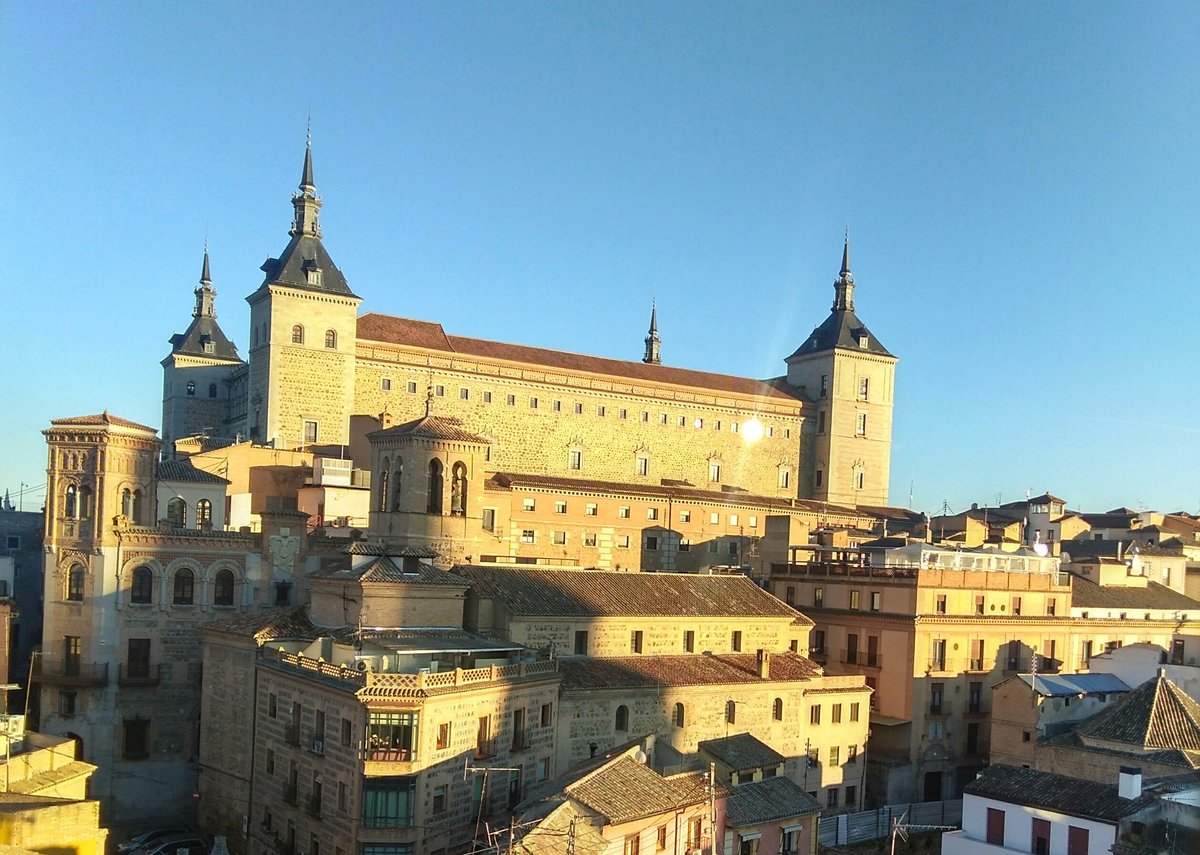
(148, 838)
(191, 842)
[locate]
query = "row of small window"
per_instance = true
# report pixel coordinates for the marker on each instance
(602, 410)
(860, 423)
(835, 713)
(331, 337)
(695, 831)
(177, 512)
(191, 389)
(651, 542)
(1040, 832)
(141, 588)
(864, 387)
(637, 637)
(591, 509)
(855, 604)
(981, 605)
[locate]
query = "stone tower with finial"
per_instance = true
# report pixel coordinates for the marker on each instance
(197, 373)
(302, 337)
(850, 377)
(653, 354)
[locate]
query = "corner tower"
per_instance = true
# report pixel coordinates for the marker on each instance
(197, 372)
(850, 376)
(302, 337)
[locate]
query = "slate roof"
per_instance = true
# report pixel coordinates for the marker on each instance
(742, 752)
(430, 427)
(431, 336)
(381, 568)
(201, 330)
(1072, 796)
(627, 790)
(185, 470)
(1110, 519)
(768, 800)
(99, 419)
(596, 593)
(675, 491)
(1087, 594)
(841, 329)
(1061, 685)
(288, 269)
(363, 547)
(644, 672)
(1155, 715)
(265, 626)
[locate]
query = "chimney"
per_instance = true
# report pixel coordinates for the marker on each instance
(1129, 782)
(764, 664)
(386, 420)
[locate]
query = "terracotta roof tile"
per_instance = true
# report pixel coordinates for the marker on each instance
(628, 790)
(639, 672)
(596, 593)
(266, 626)
(768, 800)
(742, 752)
(184, 470)
(1087, 594)
(404, 331)
(1155, 715)
(431, 427)
(1059, 793)
(100, 419)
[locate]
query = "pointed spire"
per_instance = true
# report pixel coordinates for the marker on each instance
(206, 297)
(653, 355)
(306, 179)
(306, 202)
(843, 286)
(205, 276)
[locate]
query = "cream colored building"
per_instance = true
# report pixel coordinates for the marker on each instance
(316, 370)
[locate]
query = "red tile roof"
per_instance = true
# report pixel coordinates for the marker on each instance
(431, 336)
(99, 419)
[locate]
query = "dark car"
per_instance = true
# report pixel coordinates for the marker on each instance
(191, 842)
(149, 838)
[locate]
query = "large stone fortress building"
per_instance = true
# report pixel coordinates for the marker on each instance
(318, 375)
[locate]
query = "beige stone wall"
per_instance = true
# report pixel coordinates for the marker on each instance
(71, 827)
(613, 636)
(198, 413)
(335, 603)
(226, 734)
(538, 439)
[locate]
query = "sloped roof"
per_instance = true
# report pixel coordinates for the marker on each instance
(742, 751)
(201, 330)
(430, 427)
(768, 800)
(1061, 685)
(841, 329)
(185, 470)
(99, 420)
(597, 593)
(627, 790)
(1087, 594)
(381, 568)
(289, 270)
(265, 626)
(643, 672)
(431, 336)
(1059, 793)
(1155, 715)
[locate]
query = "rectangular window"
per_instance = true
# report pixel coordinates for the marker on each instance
(814, 714)
(854, 711)
(388, 802)
(439, 391)
(623, 413)
(635, 641)
(488, 519)
(854, 598)
(464, 394)
(818, 478)
(652, 543)
(343, 798)
(270, 762)
(736, 641)
(272, 705)
(528, 536)
(685, 545)
(682, 421)
(511, 400)
(559, 538)
(864, 388)
(876, 598)
(832, 797)
(412, 388)
(753, 521)
(138, 665)
(733, 427)
(976, 663)
(937, 655)
(560, 507)
(520, 740)
(578, 409)
(651, 513)
(1016, 605)
(714, 546)
(623, 512)
(487, 397)
(310, 431)
(835, 755)
(632, 846)
(661, 838)
(714, 519)
(824, 385)
(590, 509)
(689, 641)
(547, 717)
(440, 800)
(67, 705)
(975, 698)
(785, 478)
(835, 714)
(818, 598)
(581, 642)
(860, 424)
(818, 641)
(528, 504)
(714, 471)
(589, 538)
(443, 736)
(533, 403)
(643, 465)
(385, 384)
(1039, 843)
(941, 604)
(733, 519)
(980, 604)
(851, 754)
(1077, 840)
(1051, 606)
(575, 460)
(936, 693)
(601, 411)
(645, 416)
(558, 406)
(622, 541)
(136, 745)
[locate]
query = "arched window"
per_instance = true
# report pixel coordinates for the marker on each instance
(384, 475)
(136, 507)
(679, 715)
(203, 512)
(177, 512)
(212, 390)
(191, 387)
(297, 334)
(397, 480)
(622, 722)
(223, 588)
(75, 583)
(331, 339)
(185, 587)
(435, 486)
(127, 502)
(142, 589)
(71, 505)
(85, 502)
(778, 710)
(458, 489)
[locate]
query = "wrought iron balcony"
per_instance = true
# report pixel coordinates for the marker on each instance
(52, 672)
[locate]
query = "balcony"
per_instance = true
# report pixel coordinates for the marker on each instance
(521, 740)
(86, 675)
(975, 665)
(137, 675)
(865, 658)
(936, 664)
(485, 749)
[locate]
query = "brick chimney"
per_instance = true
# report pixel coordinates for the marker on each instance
(764, 664)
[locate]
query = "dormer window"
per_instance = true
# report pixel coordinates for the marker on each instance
(312, 273)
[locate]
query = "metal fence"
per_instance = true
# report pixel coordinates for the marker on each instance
(847, 829)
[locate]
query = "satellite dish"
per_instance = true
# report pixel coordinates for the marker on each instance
(1041, 549)
(640, 756)
(361, 665)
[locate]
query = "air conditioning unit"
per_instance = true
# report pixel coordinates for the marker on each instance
(318, 746)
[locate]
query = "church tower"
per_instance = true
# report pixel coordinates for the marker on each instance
(196, 374)
(302, 337)
(653, 342)
(850, 376)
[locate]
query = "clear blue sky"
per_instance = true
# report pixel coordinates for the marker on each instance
(1020, 182)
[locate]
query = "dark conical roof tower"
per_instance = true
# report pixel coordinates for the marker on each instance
(653, 355)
